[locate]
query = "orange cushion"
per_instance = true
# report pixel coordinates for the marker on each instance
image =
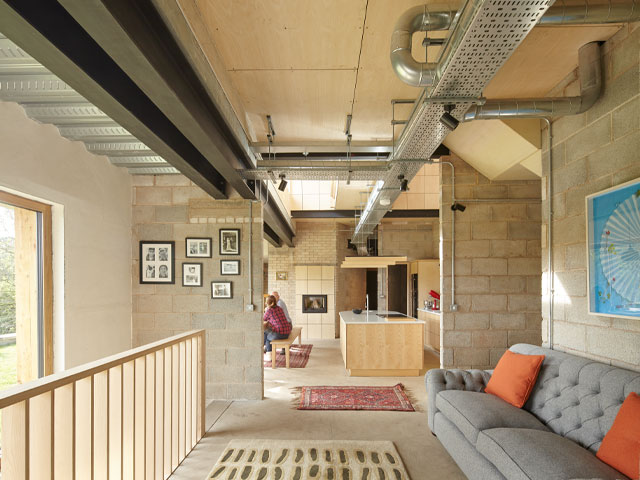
(620, 447)
(514, 377)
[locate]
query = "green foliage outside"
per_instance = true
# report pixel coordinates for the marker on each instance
(7, 273)
(8, 364)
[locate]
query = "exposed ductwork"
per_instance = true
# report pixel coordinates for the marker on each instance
(590, 13)
(428, 18)
(590, 75)
(418, 19)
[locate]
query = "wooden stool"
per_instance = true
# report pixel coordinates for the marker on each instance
(285, 343)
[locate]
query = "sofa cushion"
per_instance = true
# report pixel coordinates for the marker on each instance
(472, 412)
(526, 454)
(621, 445)
(514, 377)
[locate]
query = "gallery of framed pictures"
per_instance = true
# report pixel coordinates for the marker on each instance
(221, 290)
(157, 262)
(229, 267)
(229, 241)
(191, 274)
(613, 250)
(198, 247)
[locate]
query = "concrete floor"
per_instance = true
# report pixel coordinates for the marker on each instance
(274, 417)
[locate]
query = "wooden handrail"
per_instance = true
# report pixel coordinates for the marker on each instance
(136, 414)
(33, 388)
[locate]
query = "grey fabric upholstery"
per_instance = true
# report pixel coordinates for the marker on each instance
(577, 397)
(470, 461)
(472, 412)
(438, 380)
(523, 454)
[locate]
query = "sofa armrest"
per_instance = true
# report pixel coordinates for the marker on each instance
(439, 379)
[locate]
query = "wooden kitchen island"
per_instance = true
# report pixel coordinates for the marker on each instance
(381, 344)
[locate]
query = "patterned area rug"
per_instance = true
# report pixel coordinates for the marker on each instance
(298, 357)
(309, 459)
(354, 398)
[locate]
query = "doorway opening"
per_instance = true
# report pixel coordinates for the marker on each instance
(372, 288)
(397, 288)
(26, 300)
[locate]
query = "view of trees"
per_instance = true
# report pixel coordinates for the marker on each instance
(7, 272)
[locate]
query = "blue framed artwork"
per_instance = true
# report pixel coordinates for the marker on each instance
(613, 249)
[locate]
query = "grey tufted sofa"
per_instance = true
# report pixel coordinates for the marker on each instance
(555, 435)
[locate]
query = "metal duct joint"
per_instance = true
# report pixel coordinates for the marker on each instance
(418, 19)
(590, 76)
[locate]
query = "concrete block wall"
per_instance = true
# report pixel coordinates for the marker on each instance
(170, 207)
(591, 152)
(497, 267)
(415, 239)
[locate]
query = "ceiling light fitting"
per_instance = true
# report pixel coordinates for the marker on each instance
(283, 183)
(449, 120)
(404, 183)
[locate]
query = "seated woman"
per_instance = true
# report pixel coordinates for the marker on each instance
(276, 326)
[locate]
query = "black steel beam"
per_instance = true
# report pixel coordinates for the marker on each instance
(271, 236)
(47, 32)
(133, 33)
(425, 213)
(274, 218)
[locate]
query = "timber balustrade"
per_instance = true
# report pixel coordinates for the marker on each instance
(134, 415)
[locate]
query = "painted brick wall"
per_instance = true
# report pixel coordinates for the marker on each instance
(592, 152)
(171, 208)
(498, 272)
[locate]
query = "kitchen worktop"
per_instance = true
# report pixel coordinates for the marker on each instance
(428, 310)
(376, 316)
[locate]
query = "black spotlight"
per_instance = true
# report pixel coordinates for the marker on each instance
(449, 120)
(404, 183)
(283, 183)
(458, 206)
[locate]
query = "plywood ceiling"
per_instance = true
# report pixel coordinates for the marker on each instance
(298, 62)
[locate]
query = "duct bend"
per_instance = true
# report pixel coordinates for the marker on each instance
(418, 19)
(590, 76)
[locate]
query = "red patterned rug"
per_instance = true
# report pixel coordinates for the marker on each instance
(354, 398)
(298, 357)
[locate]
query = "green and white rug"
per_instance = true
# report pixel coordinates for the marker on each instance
(309, 459)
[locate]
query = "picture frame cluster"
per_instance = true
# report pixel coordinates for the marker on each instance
(157, 261)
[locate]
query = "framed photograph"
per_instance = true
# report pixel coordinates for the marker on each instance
(281, 275)
(221, 290)
(157, 262)
(613, 251)
(229, 267)
(191, 274)
(198, 247)
(230, 241)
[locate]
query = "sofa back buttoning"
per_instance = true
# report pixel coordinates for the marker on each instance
(576, 397)
(555, 434)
